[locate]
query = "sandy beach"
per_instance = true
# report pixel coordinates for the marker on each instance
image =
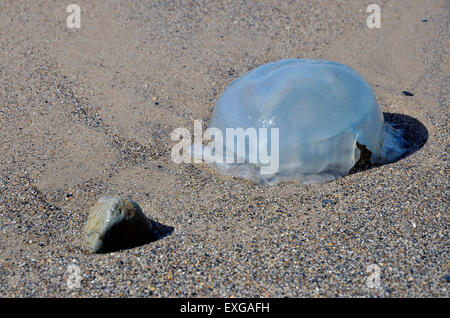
(89, 112)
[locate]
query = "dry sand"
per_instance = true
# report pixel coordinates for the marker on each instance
(78, 121)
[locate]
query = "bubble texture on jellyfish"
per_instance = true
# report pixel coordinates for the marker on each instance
(321, 108)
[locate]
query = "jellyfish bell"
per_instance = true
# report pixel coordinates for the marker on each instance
(322, 109)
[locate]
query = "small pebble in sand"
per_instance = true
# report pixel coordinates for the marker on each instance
(326, 201)
(117, 223)
(406, 93)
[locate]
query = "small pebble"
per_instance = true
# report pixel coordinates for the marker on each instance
(406, 93)
(325, 202)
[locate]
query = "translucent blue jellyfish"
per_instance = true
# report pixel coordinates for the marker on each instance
(322, 109)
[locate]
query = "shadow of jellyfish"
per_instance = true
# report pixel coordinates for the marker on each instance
(413, 131)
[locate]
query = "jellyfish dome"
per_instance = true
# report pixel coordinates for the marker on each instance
(321, 109)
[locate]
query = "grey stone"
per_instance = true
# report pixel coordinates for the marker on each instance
(117, 223)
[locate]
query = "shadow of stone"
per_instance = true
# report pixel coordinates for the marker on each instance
(160, 231)
(414, 133)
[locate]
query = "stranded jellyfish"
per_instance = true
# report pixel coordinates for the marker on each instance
(308, 115)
